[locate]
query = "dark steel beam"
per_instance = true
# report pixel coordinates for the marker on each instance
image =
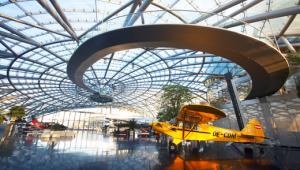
(157, 61)
(264, 16)
(96, 77)
(287, 25)
(139, 12)
(17, 38)
(161, 15)
(2, 67)
(55, 98)
(61, 14)
(173, 67)
(199, 71)
(235, 100)
(170, 11)
(128, 63)
(107, 18)
(54, 54)
(6, 91)
(180, 60)
(288, 44)
(133, 7)
(33, 71)
(14, 31)
(110, 59)
(297, 45)
(159, 76)
(46, 6)
(217, 10)
(160, 58)
(4, 54)
(244, 8)
(42, 64)
(32, 25)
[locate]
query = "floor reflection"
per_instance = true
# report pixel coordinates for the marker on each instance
(91, 150)
(245, 164)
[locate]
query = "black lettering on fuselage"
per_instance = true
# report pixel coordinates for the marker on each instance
(216, 133)
(229, 135)
(225, 135)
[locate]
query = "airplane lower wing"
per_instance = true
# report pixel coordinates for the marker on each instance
(177, 141)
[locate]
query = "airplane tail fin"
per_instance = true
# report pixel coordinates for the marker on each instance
(253, 128)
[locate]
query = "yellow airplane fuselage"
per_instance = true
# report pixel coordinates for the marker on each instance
(251, 133)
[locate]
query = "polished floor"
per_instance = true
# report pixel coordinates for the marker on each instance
(92, 150)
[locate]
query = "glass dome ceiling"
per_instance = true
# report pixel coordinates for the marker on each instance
(37, 38)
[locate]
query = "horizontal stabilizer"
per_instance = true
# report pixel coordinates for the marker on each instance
(253, 129)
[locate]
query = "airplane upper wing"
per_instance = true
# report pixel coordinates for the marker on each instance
(199, 113)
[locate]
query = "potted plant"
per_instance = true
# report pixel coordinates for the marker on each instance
(58, 127)
(132, 124)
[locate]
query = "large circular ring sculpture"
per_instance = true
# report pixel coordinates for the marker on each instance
(266, 66)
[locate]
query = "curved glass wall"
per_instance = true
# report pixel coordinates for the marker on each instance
(37, 38)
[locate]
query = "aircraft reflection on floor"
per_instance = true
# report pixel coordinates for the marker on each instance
(91, 150)
(245, 164)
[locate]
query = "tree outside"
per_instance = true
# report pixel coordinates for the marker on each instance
(297, 82)
(1, 119)
(17, 112)
(294, 61)
(172, 99)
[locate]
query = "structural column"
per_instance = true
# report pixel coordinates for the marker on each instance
(267, 114)
(74, 120)
(63, 120)
(235, 100)
(78, 126)
(69, 116)
(288, 44)
(42, 120)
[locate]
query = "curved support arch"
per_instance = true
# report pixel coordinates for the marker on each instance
(266, 66)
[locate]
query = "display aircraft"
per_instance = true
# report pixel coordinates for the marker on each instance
(192, 124)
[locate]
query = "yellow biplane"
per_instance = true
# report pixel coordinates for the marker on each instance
(192, 125)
